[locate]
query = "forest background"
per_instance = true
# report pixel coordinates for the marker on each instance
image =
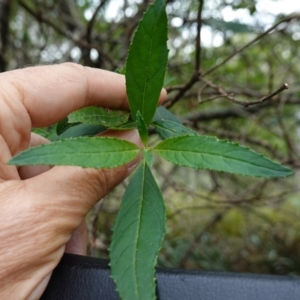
(229, 63)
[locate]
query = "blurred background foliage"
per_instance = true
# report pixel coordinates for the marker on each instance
(225, 57)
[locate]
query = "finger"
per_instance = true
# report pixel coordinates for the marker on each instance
(26, 172)
(79, 188)
(56, 203)
(7, 172)
(78, 242)
(49, 93)
(37, 140)
(41, 96)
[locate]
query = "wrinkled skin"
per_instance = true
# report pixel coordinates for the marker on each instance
(42, 208)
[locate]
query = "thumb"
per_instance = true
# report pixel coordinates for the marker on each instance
(41, 213)
(72, 191)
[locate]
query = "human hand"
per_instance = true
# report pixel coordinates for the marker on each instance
(42, 208)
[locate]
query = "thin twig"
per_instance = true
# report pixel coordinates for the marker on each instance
(91, 23)
(285, 86)
(174, 88)
(77, 41)
(284, 20)
(200, 101)
(170, 102)
(200, 92)
(195, 77)
(198, 37)
(285, 134)
(243, 103)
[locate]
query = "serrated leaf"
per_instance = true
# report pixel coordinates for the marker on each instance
(164, 114)
(142, 128)
(48, 132)
(167, 129)
(147, 61)
(129, 125)
(99, 116)
(80, 130)
(148, 156)
(62, 126)
(137, 237)
(207, 152)
(100, 152)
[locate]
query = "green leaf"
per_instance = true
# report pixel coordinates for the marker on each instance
(148, 156)
(99, 116)
(167, 129)
(123, 71)
(62, 126)
(147, 61)
(210, 153)
(129, 125)
(80, 130)
(48, 132)
(142, 128)
(40, 131)
(137, 237)
(163, 114)
(99, 152)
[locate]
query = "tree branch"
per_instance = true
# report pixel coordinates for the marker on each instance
(92, 21)
(181, 91)
(198, 37)
(222, 93)
(284, 20)
(77, 41)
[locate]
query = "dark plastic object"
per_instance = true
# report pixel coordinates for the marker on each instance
(86, 278)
